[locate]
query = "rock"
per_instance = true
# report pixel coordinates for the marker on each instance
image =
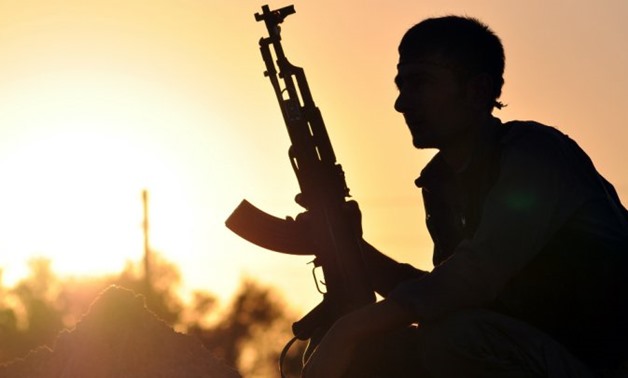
(119, 337)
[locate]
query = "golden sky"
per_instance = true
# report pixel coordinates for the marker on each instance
(100, 99)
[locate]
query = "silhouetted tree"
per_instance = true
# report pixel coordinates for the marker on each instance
(8, 333)
(248, 335)
(252, 332)
(33, 318)
(8, 324)
(197, 314)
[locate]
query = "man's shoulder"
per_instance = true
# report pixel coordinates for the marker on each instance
(529, 143)
(531, 132)
(537, 139)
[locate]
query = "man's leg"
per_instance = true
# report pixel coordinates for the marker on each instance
(469, 344)
(391, 356)
(481, 343)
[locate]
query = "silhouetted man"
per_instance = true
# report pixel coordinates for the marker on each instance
(530, 242)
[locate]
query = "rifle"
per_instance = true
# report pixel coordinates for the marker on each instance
(330, 235)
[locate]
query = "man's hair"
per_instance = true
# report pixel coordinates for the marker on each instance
(469, 45)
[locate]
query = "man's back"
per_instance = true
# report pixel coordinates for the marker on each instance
(546, 234)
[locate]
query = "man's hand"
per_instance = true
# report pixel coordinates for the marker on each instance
(350, 211)
(305, 224)
(353, 216)
(333, 356)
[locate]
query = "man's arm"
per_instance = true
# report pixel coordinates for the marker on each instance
(538, 189)
(384, 272)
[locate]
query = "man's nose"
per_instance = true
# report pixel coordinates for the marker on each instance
(399, 103)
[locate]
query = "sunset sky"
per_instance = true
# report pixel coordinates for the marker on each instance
(100, 99)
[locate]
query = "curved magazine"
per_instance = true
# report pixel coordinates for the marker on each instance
(267, 231)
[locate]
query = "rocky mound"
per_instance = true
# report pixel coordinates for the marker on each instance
(119, 337)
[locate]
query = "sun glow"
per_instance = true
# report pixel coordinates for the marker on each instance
(76, 198)
(100, 100)
(72, 181)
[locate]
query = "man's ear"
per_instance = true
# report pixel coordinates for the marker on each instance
(480, 91)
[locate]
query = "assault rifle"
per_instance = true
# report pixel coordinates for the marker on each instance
(329, 234)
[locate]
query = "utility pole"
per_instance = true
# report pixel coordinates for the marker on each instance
(147, 253)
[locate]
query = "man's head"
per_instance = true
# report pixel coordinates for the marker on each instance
(449, 79)
(467, 45)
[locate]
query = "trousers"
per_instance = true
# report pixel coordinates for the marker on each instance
(470, 344)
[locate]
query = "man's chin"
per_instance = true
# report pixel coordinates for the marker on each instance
(421, 143)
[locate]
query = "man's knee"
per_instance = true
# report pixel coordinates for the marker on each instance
(483, 343)
(452, 336)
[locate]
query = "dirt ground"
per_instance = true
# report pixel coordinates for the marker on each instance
(118, 337)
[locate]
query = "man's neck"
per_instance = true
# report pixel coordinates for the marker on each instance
(459, 153)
